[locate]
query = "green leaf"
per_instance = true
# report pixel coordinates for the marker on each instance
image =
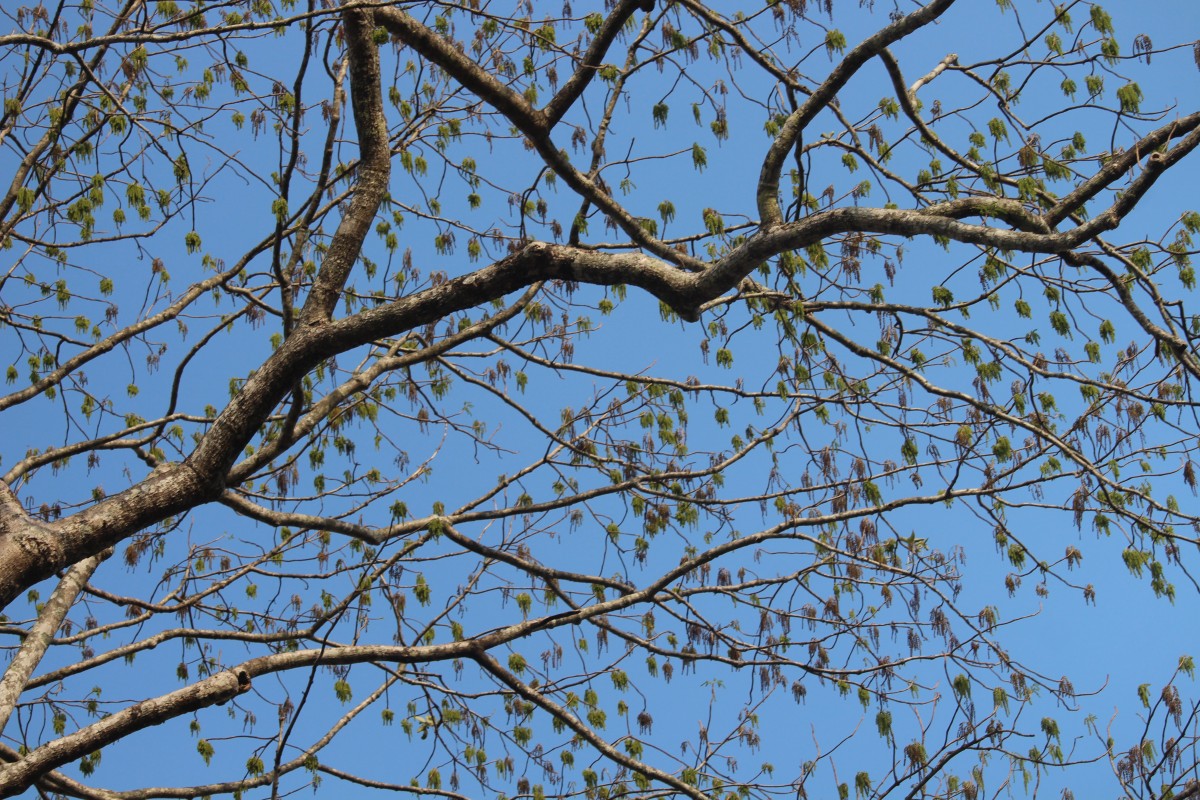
(660, 112)
(1130, 96)
(835, 42)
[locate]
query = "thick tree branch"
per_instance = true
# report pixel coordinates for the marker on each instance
(220, 688)
(33, 552)
(442, 52)
(174, 489)
(35, 644)
(371, 176)
(1121, 163)
(344, 417)
(12, 513)
(18, 776)
(938, 69)
(1177, 346)
(55, 781)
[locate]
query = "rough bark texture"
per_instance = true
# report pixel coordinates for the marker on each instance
(275, 415)
(35, 644)
(30, 551)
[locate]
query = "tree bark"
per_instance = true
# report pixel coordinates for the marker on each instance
(38, 640)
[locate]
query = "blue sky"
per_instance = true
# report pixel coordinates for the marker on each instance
(1125, 639)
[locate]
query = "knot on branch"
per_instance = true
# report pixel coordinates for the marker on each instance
(227, 693)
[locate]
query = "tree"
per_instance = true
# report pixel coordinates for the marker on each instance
(487, 384)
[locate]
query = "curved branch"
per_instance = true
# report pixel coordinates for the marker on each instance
(374, 168)
(34, 646)
(768, 181)
(220, 688)
(533, 123)
(1122, 163)
(176, 488)
(589, 64)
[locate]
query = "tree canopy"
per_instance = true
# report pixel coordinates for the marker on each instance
(479, 399)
